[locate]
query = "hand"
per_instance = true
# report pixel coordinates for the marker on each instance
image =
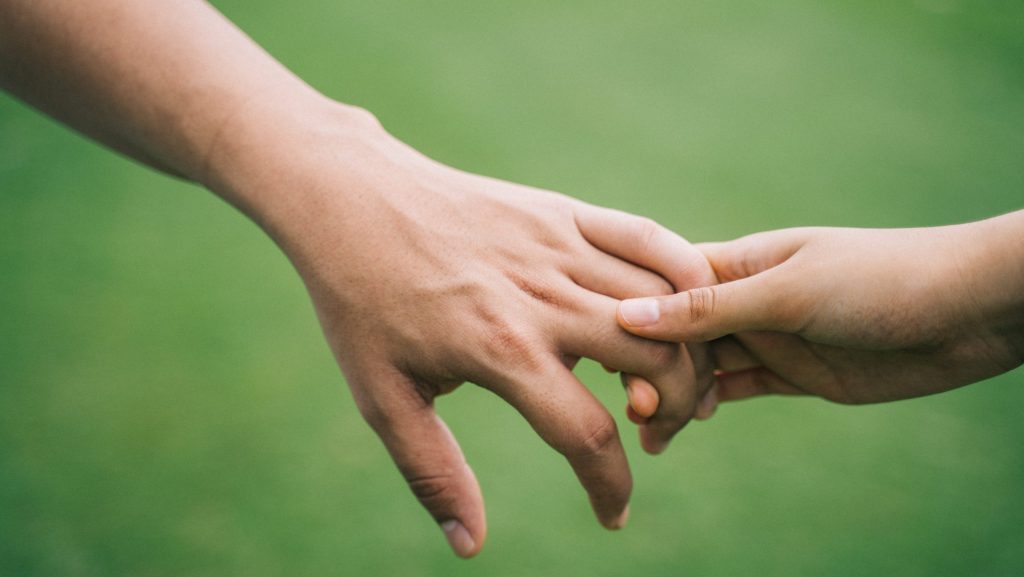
(853, 315)
(424, 277)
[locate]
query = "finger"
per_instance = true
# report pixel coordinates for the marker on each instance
(633, 417)
(754, 253)
(731, 356)
(708, 404)
(643, 396)
(645, 243)
(427, 455)
(643, 404)
(760, 302)
(571, 361)
(605, 274)
(574, 423)
(752, 383)
(668, 368)
(623, 234)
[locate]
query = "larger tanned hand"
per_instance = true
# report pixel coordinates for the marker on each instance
(424, 277)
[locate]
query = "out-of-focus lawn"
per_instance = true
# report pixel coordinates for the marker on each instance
(168, 407)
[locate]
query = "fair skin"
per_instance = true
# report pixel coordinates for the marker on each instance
(422, 276)
(852, 315)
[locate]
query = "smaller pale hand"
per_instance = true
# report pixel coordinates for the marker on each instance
(852, 315)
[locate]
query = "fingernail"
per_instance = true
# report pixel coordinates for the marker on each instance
(458, 538)
(620, 522)
(639, 312)
(708, 404)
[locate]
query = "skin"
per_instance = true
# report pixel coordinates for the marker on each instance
(422, 276)
(852, 315)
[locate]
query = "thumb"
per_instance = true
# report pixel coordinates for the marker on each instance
(429, 458)
(707, 313)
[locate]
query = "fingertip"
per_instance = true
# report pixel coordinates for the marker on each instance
(650, 442)
(654, 317)
(459, 539)
(614, 522)
(620, 521)
(708, 405)
(643, 397)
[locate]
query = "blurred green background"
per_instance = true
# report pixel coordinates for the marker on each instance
(168, 406)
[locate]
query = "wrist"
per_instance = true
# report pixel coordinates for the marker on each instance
(266, 159)
(995, 257)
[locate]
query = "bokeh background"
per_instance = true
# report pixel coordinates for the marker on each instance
(168, 406)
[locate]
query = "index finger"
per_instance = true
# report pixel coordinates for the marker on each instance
(646, 243)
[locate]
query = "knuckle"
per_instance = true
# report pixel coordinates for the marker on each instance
(596, 438)
(507, 342)
(646, 233)
(662, 356)
(701, 305)
(537, 289)
(436, 492)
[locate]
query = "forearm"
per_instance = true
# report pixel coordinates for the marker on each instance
(996, 256)
(153, 79)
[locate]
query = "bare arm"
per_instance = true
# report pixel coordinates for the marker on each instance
(154, 80)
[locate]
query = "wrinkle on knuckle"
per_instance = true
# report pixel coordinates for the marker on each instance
(506, 343)
(436, 492)
(555, 240)
(596, 439)
(536, 289)
(646, 233)
(702, 303)
(662, 357)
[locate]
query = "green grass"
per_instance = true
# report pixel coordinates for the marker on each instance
(168, 406)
